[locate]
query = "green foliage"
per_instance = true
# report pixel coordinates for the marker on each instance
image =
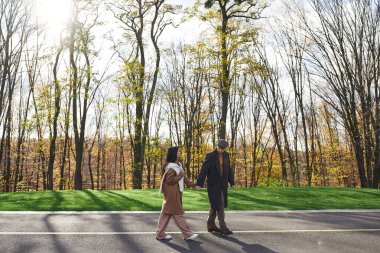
(272, 182)
(209, 3)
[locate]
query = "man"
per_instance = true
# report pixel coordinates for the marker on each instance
(216, 167)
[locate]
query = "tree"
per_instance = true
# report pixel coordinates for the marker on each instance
(57, 110)
(83, 79)
(133, 14)
(276, 105)
(344, 53)
(14, 35)
(292, 52)
(227, 12)
(188, 76)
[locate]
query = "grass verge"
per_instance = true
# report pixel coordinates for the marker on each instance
(261, 198)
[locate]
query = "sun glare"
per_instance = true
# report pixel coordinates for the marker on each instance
(54, 14)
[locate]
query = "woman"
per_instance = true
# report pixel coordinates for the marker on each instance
(172, 183)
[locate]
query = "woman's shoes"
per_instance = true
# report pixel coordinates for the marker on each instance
(167, 237)
(192, 237)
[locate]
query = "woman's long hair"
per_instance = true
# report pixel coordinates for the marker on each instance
(171, 157)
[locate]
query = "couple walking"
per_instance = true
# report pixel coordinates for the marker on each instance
(216, 168)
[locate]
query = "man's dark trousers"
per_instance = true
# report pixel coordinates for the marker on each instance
(218, 212)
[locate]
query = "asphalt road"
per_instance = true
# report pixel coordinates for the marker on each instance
(134, 232)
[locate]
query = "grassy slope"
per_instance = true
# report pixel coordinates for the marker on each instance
(149, 200)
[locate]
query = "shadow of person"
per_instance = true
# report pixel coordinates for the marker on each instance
(194, 246)
(256, 248)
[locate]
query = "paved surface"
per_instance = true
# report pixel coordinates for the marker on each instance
(134, 232)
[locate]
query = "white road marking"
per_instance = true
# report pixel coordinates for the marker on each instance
(198, 232)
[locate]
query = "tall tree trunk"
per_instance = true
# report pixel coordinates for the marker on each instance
(8, 149)
(90, 170)
(225, 77)
(98, 166)
(74, 83)
(57, 109)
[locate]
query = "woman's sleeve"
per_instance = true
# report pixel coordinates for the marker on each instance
(172, 177)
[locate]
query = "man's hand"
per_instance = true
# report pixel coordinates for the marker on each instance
(197, 187)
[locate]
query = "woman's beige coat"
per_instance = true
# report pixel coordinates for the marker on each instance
(172, 195)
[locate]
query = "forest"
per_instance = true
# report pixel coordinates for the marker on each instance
(294, 86)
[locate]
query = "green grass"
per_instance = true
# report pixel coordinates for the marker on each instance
(149, 200)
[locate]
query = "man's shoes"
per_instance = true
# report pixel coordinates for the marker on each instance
(226, 231)
(213, 229)
(192, 237)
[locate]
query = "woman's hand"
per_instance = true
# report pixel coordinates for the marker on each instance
(181, 174)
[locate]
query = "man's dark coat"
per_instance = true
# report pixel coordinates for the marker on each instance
(216, 183)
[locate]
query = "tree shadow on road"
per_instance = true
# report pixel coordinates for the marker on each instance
(24, 247)
(58, 245)
(257, 248)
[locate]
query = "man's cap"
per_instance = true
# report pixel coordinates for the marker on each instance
(222, 143)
